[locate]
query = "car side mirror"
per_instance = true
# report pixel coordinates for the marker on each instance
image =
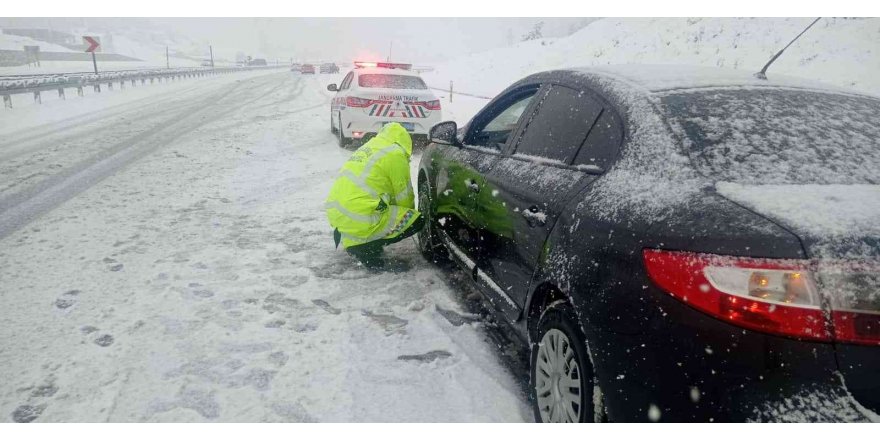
(445, 133)
(332, 88)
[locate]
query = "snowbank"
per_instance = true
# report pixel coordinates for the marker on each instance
(842, 52)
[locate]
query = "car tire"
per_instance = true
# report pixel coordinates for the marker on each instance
(558, 337)
(429, 242)
(332, 127)
(344, 142)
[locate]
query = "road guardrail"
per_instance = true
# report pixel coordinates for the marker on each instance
(37, 84)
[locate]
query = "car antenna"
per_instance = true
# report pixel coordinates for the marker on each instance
(763, 73)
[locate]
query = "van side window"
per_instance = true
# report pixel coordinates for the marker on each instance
(560, 125)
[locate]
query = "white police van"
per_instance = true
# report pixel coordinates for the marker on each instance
(374, 94)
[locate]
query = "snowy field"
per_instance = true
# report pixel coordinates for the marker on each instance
(165, 256)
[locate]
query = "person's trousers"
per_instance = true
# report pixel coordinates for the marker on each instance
(370, 254)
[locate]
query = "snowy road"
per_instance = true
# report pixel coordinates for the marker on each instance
(166, 258)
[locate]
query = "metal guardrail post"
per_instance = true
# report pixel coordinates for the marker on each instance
(61, 93)
(7, 101)
(79, 91)
(37, 98)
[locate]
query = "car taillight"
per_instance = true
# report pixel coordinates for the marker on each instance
(782, 297)
(853, 290)
(773, 296)
(352, 101)
(428, 105)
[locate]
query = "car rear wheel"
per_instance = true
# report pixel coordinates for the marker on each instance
(429, 242)
(344, 142)
(562, 384)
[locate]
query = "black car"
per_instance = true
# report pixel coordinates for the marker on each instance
(674, 244)
(329, 68)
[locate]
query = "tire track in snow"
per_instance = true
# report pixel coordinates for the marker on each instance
(20, 208)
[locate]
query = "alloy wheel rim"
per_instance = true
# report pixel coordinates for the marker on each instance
(558, 379)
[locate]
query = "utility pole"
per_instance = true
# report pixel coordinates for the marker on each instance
(167, 61)
(211, 49)
(94, 62)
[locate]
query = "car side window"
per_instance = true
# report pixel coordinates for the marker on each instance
(502, 121)
(347, 81)
(559, 125)
(603, 142)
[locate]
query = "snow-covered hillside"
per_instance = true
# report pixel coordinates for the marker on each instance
(843, 52)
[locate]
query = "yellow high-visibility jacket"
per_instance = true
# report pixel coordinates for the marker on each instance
(372, 197)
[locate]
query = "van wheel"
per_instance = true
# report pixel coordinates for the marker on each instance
(429, 242)
(562, 388)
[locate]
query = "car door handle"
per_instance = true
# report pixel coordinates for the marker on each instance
(534, 216)
(472, 185)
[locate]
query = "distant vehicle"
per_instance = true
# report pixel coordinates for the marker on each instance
(257, 62)
(329, 68)
(296, 67)
(374, 94)
(307, 69)
(207, 63)
(672, 243)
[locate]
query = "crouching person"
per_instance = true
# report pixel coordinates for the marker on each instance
(372, 204)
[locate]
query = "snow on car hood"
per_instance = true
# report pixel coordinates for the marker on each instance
(821, 214)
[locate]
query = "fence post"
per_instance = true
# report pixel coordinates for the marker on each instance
(61, 93)
(7, 101)
(450, 90)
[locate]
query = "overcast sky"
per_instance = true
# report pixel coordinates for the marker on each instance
(315, 39)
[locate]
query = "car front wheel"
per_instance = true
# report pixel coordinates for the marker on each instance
(562, 384)
(429, 242)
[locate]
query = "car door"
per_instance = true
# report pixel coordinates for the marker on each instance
(460, 171)
(551, 160)
(339, 100)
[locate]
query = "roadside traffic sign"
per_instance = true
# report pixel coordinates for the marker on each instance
(92, 43)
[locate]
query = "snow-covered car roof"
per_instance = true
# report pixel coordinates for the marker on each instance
(661, 78)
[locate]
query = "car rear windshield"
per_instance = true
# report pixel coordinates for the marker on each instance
(383, 81)
(779, 136)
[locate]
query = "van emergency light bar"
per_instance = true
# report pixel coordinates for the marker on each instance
(360, 64)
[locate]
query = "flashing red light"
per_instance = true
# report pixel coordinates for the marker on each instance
(384, 65)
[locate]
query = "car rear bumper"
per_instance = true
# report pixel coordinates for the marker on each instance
(374, 125)
(692, 367)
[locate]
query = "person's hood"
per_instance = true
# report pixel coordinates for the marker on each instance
(394, 133)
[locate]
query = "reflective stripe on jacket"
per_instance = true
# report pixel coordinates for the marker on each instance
(377, 172)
